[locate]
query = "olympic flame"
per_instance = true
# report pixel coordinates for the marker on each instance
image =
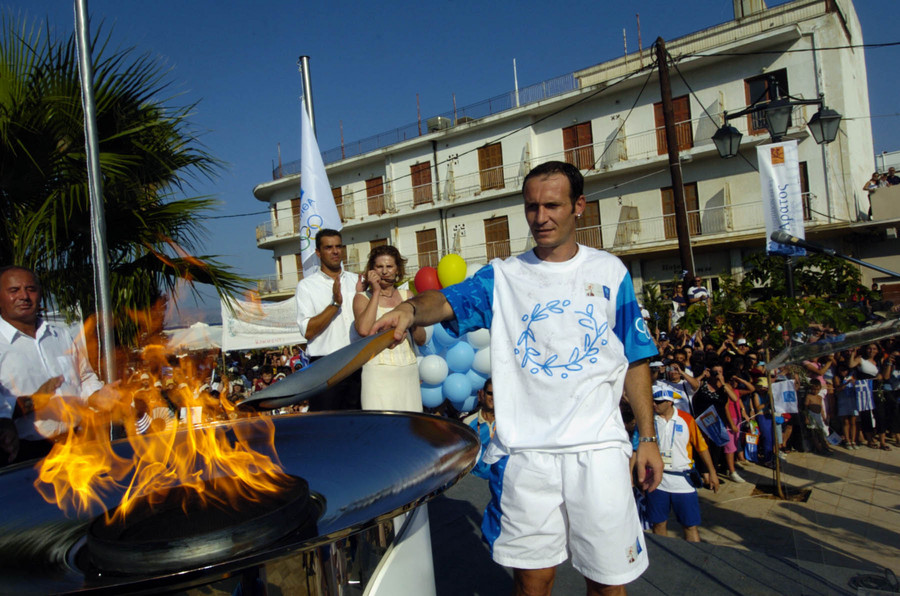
(177, 435)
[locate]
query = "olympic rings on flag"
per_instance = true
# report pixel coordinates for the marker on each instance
(313, 223)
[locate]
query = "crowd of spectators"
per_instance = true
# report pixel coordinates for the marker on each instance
(204, 386)
(847, 399)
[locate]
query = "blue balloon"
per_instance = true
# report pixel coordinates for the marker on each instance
(469, 404)
(457, 389)
(428, 349)
(442, 338)
(432, 396)
(477, 381)
(459, 357)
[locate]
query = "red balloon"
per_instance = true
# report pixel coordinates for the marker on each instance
(427, 279)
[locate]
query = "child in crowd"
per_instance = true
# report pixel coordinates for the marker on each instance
(814, 416)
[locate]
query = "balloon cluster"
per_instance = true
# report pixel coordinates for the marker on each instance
(451, 368)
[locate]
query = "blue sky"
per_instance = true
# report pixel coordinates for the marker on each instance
(238, 59)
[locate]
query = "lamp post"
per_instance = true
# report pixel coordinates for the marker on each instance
(824, 128)
(823, 125)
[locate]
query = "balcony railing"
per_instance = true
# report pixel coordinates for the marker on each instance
(459, 187)
(628, 232)
(488, 107)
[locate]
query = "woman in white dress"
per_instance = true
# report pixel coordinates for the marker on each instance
(390, 381)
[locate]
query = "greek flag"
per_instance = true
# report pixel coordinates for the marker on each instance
(317, 208)
(864, 398)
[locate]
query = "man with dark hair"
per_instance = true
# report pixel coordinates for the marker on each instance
(567, 338)
(324, 320)
(41, 368)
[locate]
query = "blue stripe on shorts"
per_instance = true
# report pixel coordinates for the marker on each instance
(490, 524)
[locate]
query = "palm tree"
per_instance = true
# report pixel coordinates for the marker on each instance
(148, 158)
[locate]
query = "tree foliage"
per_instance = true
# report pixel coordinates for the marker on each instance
(759, 304)
(149, 159)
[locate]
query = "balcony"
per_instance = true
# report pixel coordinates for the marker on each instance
(630, 233)
(270, 232)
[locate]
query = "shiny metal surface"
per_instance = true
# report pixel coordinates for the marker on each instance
(366, 467)
(320, 374)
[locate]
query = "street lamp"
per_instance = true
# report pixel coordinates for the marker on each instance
(823, 125)
(727, 140)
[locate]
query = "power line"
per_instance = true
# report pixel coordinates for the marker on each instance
(513, 132)
(236, 215)
(630, 110)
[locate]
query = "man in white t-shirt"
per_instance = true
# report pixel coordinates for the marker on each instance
(679, 438)
(697, 294)
(567, 338)
(325, 316)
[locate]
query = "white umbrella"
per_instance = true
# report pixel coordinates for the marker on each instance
(198, 336)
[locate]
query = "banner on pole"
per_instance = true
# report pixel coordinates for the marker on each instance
(317, 208)
(252, 324)
(779, 177)
(713, 427)
(784, 395)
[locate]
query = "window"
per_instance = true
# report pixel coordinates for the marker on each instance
(762, 90)
(298, 261)
(421, 183)
(373, 244)
(375, 195)
(681, 106)
(804, 191)
(426, 247)
(295, 214)
(496, 235)
(587, 227)
(338, 197)
(490, 166)
(692, 206)
(578, 142)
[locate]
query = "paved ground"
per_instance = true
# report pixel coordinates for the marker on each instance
(844, 536)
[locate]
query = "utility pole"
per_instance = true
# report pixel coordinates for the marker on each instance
(681, 223)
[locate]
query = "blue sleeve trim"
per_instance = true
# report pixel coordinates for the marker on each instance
(472, 301)
(631, 329)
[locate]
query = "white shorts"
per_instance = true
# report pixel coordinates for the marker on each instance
(545, 506)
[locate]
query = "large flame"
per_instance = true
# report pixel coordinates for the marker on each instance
(224, 464)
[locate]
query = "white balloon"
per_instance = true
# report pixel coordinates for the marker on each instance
(429, 331)
(480, 338)
(433, 369)
(482, 362)
(472, 269)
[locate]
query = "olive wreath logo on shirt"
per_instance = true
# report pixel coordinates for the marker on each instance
(587, 351)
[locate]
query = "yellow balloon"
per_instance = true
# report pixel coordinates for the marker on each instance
(451, 270)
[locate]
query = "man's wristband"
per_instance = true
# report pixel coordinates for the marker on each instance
(412, 306)
(651, 439)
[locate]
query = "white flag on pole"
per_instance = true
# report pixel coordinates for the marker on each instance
(317, 208)
(779, 177)
(784, 395)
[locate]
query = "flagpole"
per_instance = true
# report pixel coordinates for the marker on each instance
(303, 65)
(317, 208)
(107, 364)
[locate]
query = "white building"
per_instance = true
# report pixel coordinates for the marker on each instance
(456, 187)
